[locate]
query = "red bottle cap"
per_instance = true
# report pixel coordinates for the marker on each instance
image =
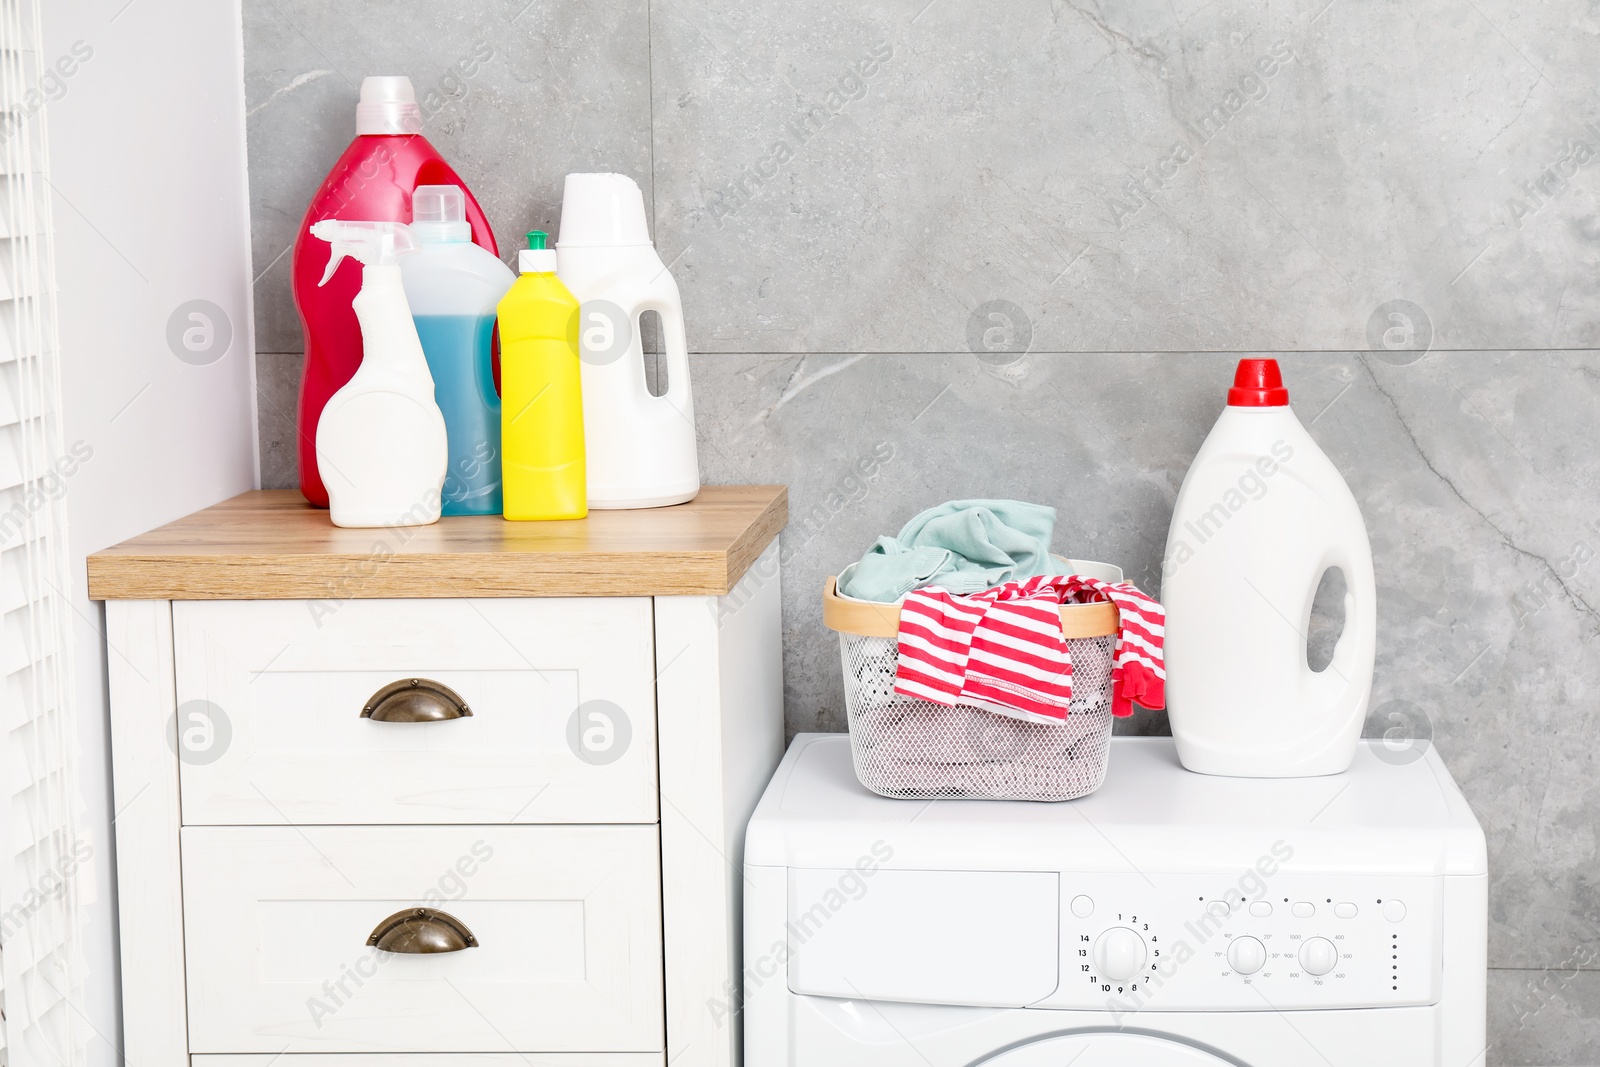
(1258, 383)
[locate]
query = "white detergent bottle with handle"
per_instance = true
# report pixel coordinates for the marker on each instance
(382, 447)
(640, 449)
(1262, 515)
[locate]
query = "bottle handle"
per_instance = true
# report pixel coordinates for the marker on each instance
(675, 339)
(1345, 685)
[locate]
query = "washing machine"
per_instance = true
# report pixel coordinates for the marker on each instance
(1170, 919)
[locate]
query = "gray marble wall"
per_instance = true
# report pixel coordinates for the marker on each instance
(1015, 248)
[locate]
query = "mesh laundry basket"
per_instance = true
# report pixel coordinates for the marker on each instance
(916, 749)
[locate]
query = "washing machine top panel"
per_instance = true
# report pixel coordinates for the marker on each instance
(1399, 813)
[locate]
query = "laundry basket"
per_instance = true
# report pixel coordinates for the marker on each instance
(915, 749)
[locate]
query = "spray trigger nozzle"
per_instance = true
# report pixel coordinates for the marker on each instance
(374, 244)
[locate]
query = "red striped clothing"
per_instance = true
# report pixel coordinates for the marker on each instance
(1003, 649)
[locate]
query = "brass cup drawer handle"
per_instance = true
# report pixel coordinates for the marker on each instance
(419, 930)
(415, 700)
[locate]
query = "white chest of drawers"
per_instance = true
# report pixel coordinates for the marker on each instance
(472, 793)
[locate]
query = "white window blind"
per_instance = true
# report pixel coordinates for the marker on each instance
(41, 845)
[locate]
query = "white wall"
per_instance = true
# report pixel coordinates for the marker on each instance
(151, 211)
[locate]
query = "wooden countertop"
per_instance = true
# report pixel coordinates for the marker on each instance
(272, 545)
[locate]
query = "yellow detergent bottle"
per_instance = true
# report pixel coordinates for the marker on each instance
(541, 398)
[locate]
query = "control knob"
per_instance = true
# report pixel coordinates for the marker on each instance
(1318, 956)
(1119, 954)
(1246, 955)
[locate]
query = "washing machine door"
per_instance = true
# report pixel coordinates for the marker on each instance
(1106, 1050)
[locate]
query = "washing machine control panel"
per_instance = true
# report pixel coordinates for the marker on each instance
(1279, 943)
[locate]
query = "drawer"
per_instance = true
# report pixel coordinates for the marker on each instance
(560, 692)
(566, 919)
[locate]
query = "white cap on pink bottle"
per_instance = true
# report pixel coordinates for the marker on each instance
(388, 106)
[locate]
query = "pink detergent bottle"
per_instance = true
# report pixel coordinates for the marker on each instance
(373, 181)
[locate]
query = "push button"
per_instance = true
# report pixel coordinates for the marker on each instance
(1304, 909)
(1261, 909)
(1345, 910)
(1082, 906)
(1219, 908)
(1394, 910)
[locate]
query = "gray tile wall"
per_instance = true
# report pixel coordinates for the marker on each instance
(1397, 198)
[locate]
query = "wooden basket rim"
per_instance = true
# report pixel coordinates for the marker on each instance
(867, 619)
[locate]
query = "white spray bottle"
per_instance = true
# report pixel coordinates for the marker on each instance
(1262, 515)
(381, 442)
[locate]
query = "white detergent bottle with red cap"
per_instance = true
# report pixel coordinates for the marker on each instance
(1263, 514)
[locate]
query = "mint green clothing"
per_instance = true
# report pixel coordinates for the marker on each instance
(965, 546)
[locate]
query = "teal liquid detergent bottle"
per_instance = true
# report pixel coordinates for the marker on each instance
(453, 286)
